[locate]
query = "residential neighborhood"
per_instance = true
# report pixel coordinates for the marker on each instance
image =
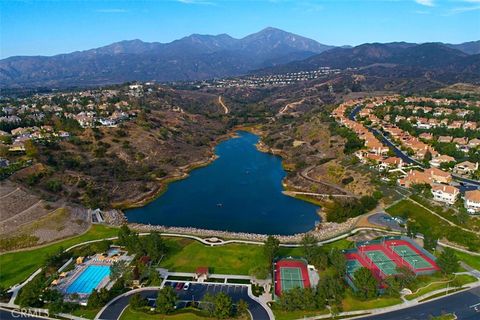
(414, 127)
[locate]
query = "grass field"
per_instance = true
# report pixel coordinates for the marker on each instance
(350, 303)
(17, 266)
(428, 222)
(472, 261)
(187, 255)
(462, 280)
(185, 314)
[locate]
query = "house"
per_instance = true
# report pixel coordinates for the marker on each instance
(391, 162)
(445, 193)
(202, 274)
(470, 125)
(17, 146)
(414, 177)
(460, 141)
(472, 201)
(465, 167)
(437, 161)
(439, 176)
(445, 139)
(474, 143)
(426, 136)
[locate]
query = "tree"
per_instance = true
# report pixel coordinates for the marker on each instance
(154, 246)
(448, 261)
(223, 306)
(117, 269)
(31, 293)
(365, 283)
(309, 243)
(337, 260)
(154, 277)
(270, 249)
(242, 308)
(30, 149)
(166, 300)
(138, 302)
(429, 241)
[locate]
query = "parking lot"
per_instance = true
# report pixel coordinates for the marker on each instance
(195, 292)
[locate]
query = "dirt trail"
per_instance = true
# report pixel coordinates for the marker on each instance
(289, 106)
(225, 108)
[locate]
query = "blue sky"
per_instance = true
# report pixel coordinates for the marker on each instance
(53, 27)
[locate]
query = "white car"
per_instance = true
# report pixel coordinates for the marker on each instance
(186, 286)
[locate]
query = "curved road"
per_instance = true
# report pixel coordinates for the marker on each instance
(195, 293)
(465, 305)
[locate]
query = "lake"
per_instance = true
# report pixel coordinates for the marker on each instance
(240, 191)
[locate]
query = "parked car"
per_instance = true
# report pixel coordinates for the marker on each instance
(180, 286)
(186, 286)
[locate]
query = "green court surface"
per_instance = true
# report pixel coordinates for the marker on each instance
(383, 262)
(291, 278)
(352, 266)
(413, 258)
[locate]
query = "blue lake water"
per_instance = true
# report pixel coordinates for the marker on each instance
(240, 191)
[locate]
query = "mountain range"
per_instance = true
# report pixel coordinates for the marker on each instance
(198, 57)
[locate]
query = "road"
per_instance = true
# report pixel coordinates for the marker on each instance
(462, 304)
(14, 315)
(195, 293)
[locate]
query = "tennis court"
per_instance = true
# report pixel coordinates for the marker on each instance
(413, 258)
(290, 273)
(352, 266)
(291, 278)
(384, 263)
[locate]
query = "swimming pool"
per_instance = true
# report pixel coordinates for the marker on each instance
(89, 279)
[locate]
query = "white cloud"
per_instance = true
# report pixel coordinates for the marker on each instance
(428, 3)
(464, 9)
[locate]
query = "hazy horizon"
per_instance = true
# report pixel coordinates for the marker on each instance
(49, 27)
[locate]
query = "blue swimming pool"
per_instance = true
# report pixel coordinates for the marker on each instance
(89, 279)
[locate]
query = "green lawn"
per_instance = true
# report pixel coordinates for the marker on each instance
(185, 314)
(17, 266)
(428, 222)
(462, 280)
(472, 261)
(187, 255)
(350, 303)
(86, 313)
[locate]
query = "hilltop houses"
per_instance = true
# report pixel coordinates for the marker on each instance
(472, 201)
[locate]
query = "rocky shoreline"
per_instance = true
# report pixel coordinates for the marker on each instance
(323, 231)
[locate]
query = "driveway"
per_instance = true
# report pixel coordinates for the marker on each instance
(195, 293)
